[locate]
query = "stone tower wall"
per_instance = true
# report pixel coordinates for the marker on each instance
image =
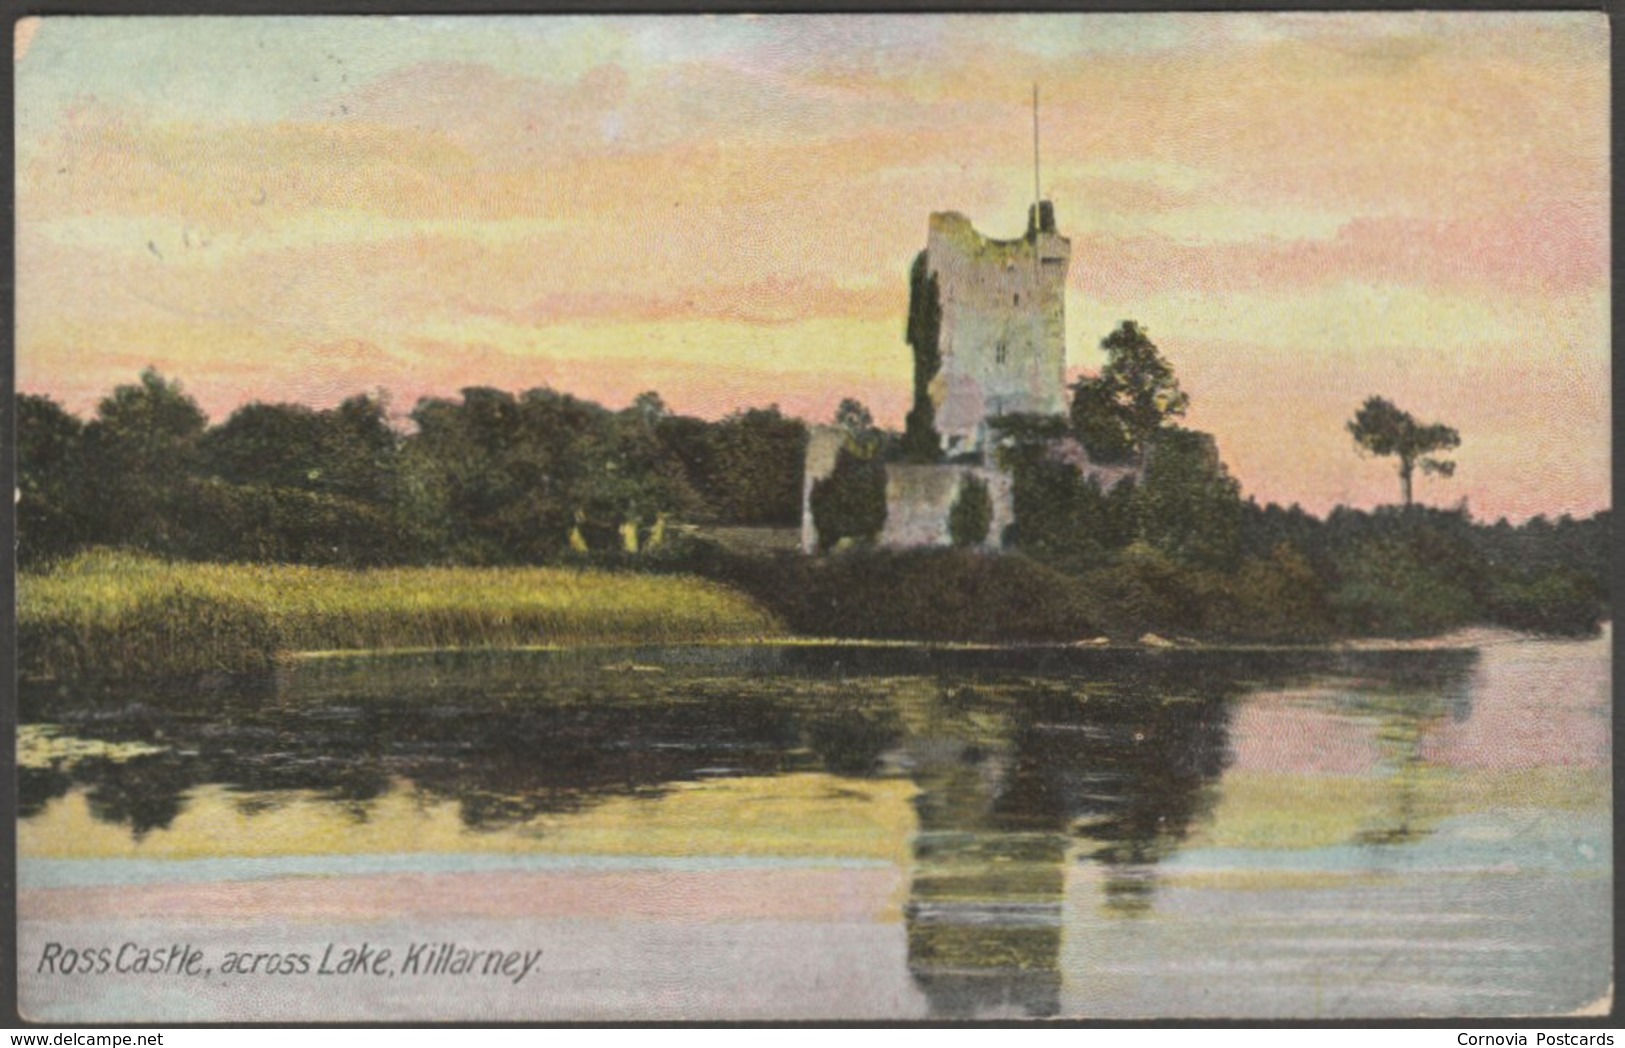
(1003, 330)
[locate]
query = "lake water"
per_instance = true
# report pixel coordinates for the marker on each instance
(820, 832)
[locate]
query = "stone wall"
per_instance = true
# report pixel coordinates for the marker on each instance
(1107, 475)
(919, 498)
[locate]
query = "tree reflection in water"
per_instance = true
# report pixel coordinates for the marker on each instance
(1026, 764)
(1406, 705)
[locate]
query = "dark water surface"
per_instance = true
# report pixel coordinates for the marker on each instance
(842, 832)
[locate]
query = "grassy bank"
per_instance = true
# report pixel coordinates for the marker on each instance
(112, 614)
(124, 616)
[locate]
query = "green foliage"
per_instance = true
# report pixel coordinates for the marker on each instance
(942, 595)
(494, 478)
(137, 455)
(850, 503)
(51, 486)
(1185, 503)
(1112, 514)
(489, 477)
(971, 514)
(1264, 528)
(348, 451)
(1045, 499)
(152, 417)
(1279, 598)
(1060, 519)
(1147, 592)
(1418, 570)
(173, 632)
(271, 444)
(745, 469)
(1394, 577)
(752, 470)
(519, 474)
(505, 492)
(1188, 505)
(1134, 396)
(1388, 587)
(921, 441)
(255, 522)
(1097, 423)
(1067, 521)
(648, 408)
(1383, 429)
(854, 420)
(1022, 436)
(1541, 546)
(1557, 602)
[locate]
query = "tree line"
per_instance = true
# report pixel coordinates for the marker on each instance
(487, 477)
(492, 477)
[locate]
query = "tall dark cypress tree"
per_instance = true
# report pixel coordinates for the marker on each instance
(921, 442)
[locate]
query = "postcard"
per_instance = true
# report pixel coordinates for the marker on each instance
(922, 517)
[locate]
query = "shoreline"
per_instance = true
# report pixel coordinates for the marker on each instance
(110, 616)
(1467, 639)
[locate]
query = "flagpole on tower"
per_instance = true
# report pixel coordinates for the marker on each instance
(1038, 194)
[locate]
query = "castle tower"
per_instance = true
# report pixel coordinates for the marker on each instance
(1001, 336)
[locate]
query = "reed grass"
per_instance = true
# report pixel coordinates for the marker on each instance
(119, 614)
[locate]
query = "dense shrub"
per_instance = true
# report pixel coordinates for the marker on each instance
(850, 503)
(1278, 598)
(1149, 592)
(1387, 589)
(240, 522)
(971, 514)
(1559, 602)
(942, 595)
(542, 477)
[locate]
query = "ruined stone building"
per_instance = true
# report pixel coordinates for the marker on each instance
(988, 330)
(1002, 333)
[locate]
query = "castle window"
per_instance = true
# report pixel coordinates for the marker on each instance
(1016, 299)
(999, 353)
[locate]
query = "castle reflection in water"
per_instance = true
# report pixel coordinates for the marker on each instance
(1043, 779)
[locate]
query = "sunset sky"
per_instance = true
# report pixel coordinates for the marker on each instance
(1303, 210)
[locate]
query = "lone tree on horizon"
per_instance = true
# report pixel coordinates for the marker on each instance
(1383, 429)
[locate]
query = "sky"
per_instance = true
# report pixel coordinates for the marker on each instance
(1303, 210)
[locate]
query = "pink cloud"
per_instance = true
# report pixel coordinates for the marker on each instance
(773, 300)
(790, 178)
(1556, 247)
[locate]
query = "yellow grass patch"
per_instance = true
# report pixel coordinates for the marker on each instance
(138, 614)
